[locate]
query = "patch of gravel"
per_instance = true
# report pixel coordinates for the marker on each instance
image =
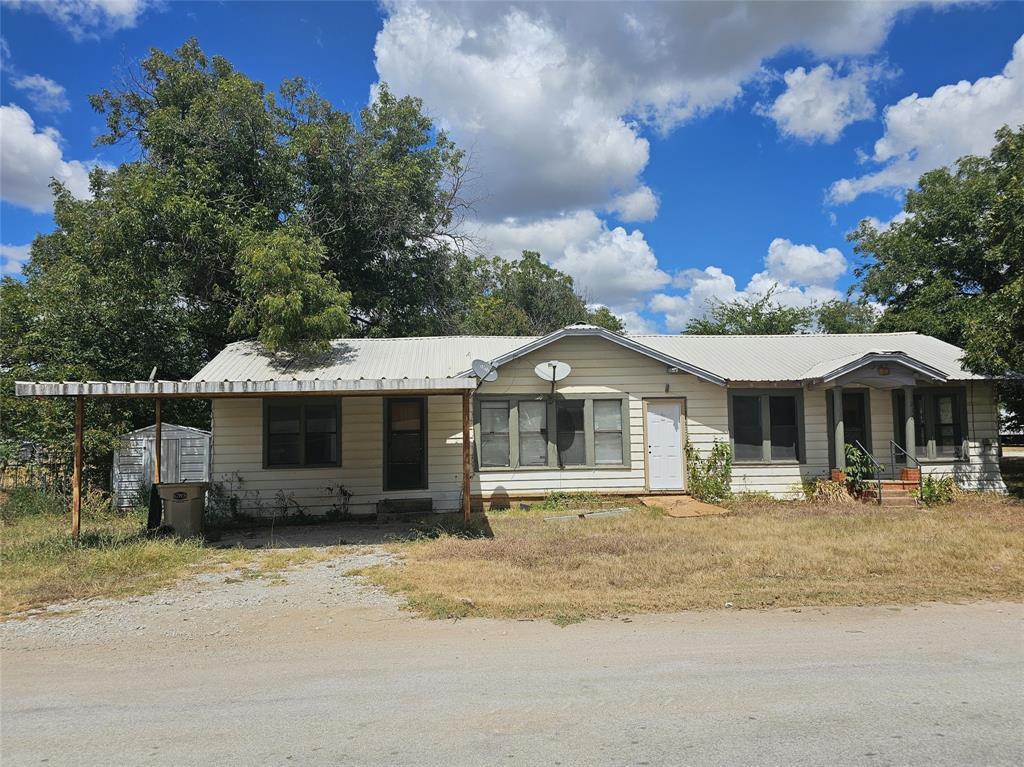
(202, 606)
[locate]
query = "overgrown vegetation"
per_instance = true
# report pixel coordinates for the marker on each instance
(40, 564)
(860, 470)
(765, 553)
(709, 479)
(939, 490)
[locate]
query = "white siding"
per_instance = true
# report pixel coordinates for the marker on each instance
(598, 367)
(981, 470)
(238, 459)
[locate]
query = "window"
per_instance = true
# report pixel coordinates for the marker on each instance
(494, 433)
(301, 434)
(766, 426)
(607, 431)
(572, 436)
(524, 431)
(533, 433)
(940, 417)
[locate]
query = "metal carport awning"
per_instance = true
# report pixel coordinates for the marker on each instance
(209, 389)
(160, 390)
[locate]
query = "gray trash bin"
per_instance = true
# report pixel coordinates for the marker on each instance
(183, 506)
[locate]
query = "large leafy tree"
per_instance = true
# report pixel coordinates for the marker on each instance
(246, 214)
(525, 296)
(954, 268)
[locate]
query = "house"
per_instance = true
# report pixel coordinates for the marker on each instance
(387, 419)
(184, 457)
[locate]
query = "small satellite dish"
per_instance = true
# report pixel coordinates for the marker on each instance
(485, 370)
(552, 370)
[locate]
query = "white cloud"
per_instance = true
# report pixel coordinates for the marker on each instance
(12, 258)
(799, 274)
(553, 98)
(610, 266)
(30, 158)
(789, 263)
(639, 205)
(44, 94)
(819, 104)
(89, 19)
(635, 323)
(926, 132)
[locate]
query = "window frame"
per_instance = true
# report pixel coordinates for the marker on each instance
(764, 396)
(302, 404)
(929, 395)
(551, 436)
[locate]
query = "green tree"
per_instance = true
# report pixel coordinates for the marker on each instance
(524, 296)
(286, 302)
(603, 317)
(954, 269)
(176, 254)
(839, 316)
(752, 316)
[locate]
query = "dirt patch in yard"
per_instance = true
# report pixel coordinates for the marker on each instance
(763, 554)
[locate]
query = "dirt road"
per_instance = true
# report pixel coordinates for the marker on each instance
(319, 670)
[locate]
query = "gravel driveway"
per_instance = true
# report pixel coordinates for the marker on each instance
(316, 668)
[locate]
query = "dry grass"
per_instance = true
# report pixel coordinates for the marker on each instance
(41, 565)
(763, 554)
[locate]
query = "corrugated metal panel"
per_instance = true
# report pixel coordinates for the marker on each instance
(735, 358)
(383, 365)
(354, 358)
(239, 388)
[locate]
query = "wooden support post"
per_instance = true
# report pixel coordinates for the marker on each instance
(76, 474)
(159, 441)
(467, 463)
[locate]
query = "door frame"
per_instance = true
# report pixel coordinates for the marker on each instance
(424, 442)
(831, 416)
(682, 442)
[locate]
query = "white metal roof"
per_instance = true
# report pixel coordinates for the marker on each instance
(442, 363)
(726, 358)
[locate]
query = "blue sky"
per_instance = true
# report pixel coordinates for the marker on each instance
(661, 154)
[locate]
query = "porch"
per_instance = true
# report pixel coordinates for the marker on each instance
(299, 429)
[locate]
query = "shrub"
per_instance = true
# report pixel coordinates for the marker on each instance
(935, 492)
(859, 469)
(709, 479)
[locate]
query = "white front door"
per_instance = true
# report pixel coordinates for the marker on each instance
(664, 445)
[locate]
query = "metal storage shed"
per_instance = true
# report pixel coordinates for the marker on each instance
(184, 457)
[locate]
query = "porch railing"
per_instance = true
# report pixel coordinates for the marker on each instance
(893, 450)
(877, 470)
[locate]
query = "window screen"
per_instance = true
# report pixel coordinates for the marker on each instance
(321, 434)
(303, 434)
(785, 434)
(607, 431)
(494, 433)
(533, 433)
(572, 448)
(947, 425)
(746, 426)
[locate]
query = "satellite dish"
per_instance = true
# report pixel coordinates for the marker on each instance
(484, 370)
(552, 370)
